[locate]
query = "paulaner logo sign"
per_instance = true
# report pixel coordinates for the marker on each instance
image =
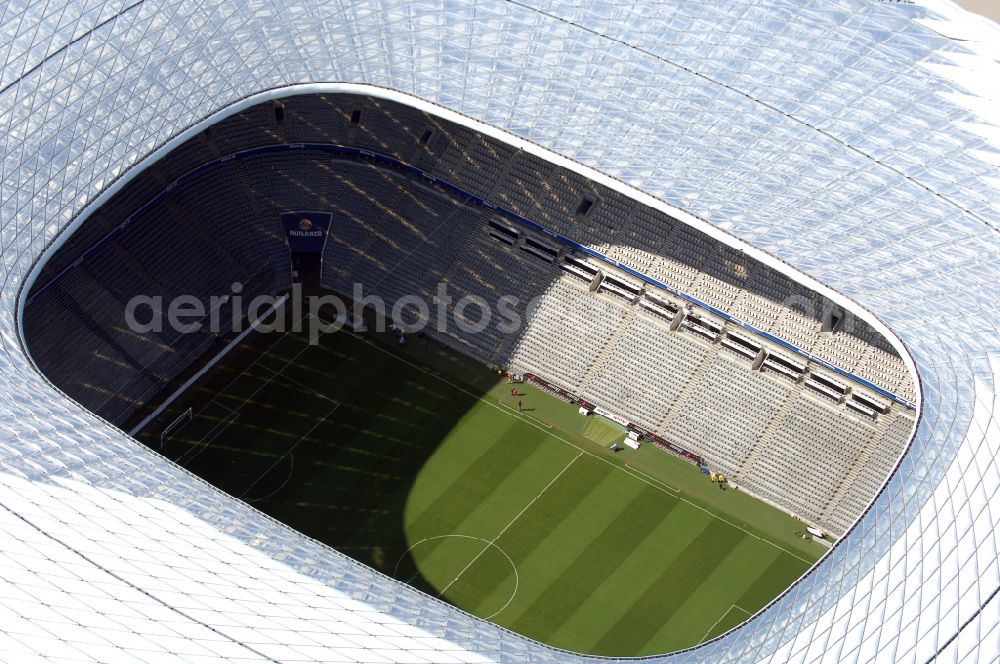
(306, 230)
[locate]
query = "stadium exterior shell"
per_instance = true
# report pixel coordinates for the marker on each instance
(858, 143)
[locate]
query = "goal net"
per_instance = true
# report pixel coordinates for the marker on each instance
(174, 426)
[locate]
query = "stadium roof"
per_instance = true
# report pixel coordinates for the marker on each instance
(858, 142)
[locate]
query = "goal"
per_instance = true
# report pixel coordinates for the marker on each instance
(178, 422)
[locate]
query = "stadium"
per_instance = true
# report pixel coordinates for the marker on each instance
(514, 333)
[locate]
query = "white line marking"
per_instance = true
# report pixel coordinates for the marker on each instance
(523, 416)
(507, 527)
(202, 444)
(651, 478)
(220, 427)
(280, 371)
(224, 407)
(284, 376)
(517, 577)
(731, 607)
(250, 366)
(287, 452)
(574, 445)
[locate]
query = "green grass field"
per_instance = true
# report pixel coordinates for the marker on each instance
(603, 431)
(417, 462)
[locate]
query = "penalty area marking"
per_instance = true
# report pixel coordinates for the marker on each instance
(731, 607)
(212, 434)
(517, 580)
(217, 430)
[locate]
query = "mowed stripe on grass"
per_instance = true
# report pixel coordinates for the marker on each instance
(632, 569)
(745, 561)
(512, 467)
(605, 563)
(602, 560)
(589, 557)
(664, 594)
(497, 510)
(559, 523)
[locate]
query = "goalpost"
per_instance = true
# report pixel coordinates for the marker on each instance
(178, 422)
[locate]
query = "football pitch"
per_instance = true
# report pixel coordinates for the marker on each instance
(417, 462)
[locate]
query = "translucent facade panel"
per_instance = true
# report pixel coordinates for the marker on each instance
(841, 138)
